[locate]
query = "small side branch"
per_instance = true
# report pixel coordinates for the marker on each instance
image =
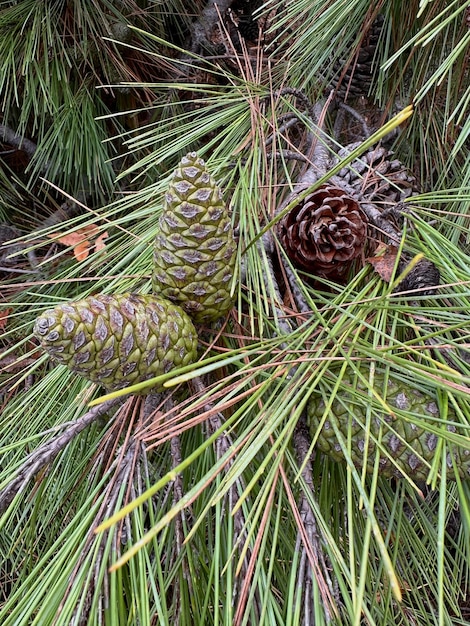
(123, 471)
(266, 250)
(222, 447)
(8, 135)
(46, 453)
(215, 421)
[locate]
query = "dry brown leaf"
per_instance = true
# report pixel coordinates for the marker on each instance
(81, 250)
(384, 263)
(100, 243)
(4, 318)
(81, 240)
(78, 236)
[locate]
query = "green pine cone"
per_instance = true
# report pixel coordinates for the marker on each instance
(194, 251)
(411, 447)
(118, 340)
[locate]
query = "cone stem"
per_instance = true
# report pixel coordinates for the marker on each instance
(318, 154)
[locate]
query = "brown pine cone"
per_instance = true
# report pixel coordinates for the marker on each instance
(355, 79)
(377, 176)
(324, 233)
(424, 274)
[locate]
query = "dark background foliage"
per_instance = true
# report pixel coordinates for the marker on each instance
(99, 101)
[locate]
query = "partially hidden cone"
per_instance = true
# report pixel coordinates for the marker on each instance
(118, 340)
(377, 176)
(353, 76)
(324, 233)
(195, 250)
(421, 281)
(405, 448)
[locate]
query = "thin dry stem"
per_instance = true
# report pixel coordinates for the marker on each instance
(222, 447)
(301, 441)
(125, 466)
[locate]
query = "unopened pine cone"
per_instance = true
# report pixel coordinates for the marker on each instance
(324, 233)
(118, 340)
(377, 177)
(194, 250)
(406, 449)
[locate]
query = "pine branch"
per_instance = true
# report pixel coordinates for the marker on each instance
(126, 466)
(178, 492)
(47, 452)
(317, 154)
(8, 135)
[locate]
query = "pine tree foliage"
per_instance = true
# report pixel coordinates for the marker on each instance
(61, 68)
(210, 502)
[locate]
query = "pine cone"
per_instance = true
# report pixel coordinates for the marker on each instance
(356, 79)
(118, 340)
(424, 274)
(324, 233)
(377, 177)
(411, 447)
(194, 251)
(121, 31)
